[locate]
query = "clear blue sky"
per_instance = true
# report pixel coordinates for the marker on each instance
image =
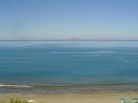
(64, 19)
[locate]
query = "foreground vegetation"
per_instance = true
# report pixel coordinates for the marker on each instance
(13, 101)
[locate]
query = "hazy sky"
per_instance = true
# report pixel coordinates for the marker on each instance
(64, 19)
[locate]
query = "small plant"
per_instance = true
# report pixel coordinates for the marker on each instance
(131, 100)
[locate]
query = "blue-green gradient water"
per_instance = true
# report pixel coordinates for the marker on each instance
(56, 63)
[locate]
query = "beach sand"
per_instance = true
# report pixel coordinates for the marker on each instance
(106, 97)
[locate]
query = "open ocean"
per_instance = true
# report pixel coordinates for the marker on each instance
(68, 66)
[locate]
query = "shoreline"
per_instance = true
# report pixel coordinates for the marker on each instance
(95, 97)
(68, 89)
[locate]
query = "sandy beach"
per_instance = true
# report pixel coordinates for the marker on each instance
(106, 97)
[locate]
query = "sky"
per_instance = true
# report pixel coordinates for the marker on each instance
(66, 19)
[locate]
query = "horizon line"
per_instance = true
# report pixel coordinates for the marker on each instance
(68, 40)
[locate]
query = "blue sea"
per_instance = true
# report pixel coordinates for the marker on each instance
(68, 66)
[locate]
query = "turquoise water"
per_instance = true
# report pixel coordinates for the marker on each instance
(68, 63)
